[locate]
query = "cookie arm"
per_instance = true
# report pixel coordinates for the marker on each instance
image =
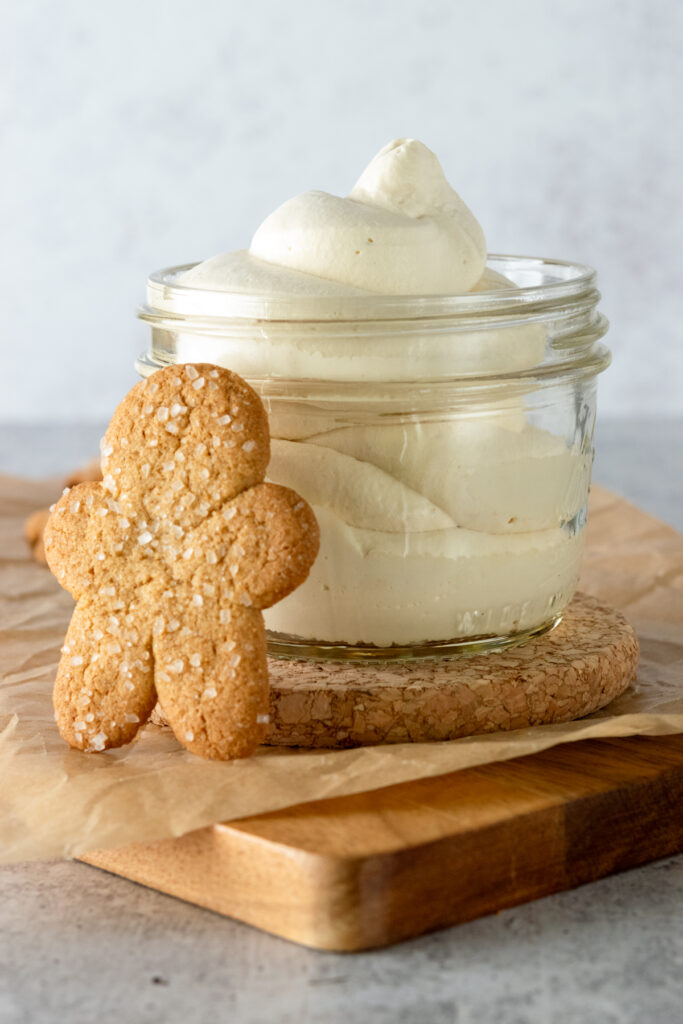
(267, 538)
(67, 547)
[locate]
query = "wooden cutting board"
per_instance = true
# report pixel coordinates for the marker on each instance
(368, 870)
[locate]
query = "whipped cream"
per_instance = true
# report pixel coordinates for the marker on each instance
(381, 588)
(435, 524)
(402, 231)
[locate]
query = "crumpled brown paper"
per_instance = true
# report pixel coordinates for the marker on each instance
(58, 802)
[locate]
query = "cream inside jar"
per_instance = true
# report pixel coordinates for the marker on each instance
(443, 436)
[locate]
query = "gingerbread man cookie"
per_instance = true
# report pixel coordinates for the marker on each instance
(171, 559)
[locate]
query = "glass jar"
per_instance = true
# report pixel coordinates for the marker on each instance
(444, 442)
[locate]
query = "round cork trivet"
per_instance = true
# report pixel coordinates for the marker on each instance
(579, 666)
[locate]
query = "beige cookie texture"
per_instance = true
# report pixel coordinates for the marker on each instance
(35, 524)
(171, 557)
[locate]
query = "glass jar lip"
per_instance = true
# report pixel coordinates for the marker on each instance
(540, 285)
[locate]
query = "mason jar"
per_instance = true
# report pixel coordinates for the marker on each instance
(444, 442)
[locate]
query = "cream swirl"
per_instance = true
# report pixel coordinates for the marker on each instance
(402, 231)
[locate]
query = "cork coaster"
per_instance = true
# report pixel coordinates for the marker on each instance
(581, 665)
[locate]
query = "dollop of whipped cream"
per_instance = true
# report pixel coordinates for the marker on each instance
(402, 231)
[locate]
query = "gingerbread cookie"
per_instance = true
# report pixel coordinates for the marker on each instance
(171, 558)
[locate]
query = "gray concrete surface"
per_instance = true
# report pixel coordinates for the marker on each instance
(78, 945)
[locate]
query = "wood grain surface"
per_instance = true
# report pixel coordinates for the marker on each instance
(369, 870)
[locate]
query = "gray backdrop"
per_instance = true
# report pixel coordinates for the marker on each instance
(140, 134)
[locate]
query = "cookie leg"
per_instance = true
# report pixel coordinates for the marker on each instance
(212, 679)
(104, 691)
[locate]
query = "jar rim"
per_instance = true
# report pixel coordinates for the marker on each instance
(541, 285)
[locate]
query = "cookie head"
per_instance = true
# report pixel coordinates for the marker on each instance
(184, 442)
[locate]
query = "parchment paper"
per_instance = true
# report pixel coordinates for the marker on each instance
(58, 802)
